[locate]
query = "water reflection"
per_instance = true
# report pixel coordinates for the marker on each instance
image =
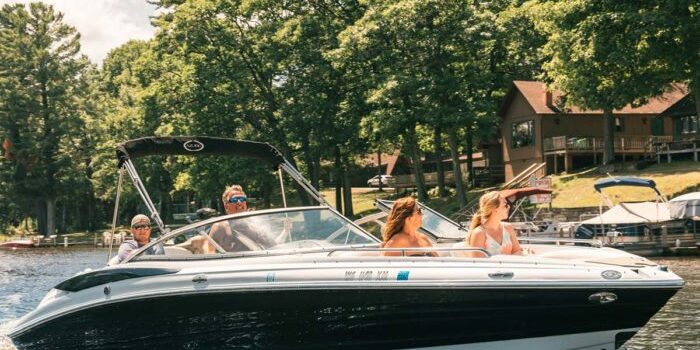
(677, 325)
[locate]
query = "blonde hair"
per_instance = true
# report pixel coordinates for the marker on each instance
(401, 210)
(229, 190)
(488, 202)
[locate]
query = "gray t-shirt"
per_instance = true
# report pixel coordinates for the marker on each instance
(129, 246)
(238, 236)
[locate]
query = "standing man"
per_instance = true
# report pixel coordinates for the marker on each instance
(141, 231)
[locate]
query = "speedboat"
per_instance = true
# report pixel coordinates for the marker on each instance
(309, 278)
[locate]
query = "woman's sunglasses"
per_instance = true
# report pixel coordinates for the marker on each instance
(237, 199)
(138, 227)
(419, 211)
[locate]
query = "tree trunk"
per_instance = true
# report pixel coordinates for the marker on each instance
(316, 173)
(41, 217)
(696, 92)
(379, 169)
(442, 192)
(62, 226)
(470, 156)
(338, 180)
(608, 136)
(51, 216)
(347, 190)
(267, 194)
(414, 151)
(309, 160)
(459, 187)
(91, 225)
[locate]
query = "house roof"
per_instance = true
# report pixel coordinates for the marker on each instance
(388, 159)
(535, 93)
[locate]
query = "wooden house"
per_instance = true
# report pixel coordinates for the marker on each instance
(538, 126)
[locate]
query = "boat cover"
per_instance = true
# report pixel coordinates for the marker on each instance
(197, 145)
(625, 181)
(685, 206)
(632, 213)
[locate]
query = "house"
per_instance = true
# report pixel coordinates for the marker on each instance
(537, 126)
(399, 166)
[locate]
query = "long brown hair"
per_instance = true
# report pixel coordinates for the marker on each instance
(488, 202)
(403, 208)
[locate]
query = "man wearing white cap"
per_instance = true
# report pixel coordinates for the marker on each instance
(141, 230)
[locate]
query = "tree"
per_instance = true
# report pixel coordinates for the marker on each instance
(40, 72)
(672, 29)
(599, 56)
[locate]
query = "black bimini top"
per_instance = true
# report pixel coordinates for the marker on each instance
(197, 145)
(625, 181)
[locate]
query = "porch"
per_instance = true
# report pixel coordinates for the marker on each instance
(686, 147)
(626, 146)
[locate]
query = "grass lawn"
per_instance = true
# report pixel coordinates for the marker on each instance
(362, 199)
(576, 190)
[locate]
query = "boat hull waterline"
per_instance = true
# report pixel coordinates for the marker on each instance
(377, 318)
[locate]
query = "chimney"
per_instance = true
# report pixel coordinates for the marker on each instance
(548, 99)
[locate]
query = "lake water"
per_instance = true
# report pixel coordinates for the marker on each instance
(26, 275)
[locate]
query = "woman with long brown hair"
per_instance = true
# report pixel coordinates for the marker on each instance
(487, 229)
(401, 229)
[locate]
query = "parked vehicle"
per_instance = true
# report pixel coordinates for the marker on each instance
(387, 180)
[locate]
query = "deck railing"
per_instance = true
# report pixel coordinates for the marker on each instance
(594, 144)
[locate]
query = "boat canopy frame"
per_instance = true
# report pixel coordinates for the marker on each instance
(199, 146)
(624, 181)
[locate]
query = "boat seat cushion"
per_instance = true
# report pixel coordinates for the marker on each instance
(174, 250)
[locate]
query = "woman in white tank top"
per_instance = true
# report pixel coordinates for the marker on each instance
(488, 231)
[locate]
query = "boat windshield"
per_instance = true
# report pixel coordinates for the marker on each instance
(434, 223)
(267, 230)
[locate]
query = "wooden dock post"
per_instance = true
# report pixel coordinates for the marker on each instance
(595, 155)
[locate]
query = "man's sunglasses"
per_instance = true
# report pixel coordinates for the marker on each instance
(138, 227)
(237, 199)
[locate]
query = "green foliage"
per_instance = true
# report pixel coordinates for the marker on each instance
(321, 80)
(41, 81)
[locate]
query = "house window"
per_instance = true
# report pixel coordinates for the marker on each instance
(689, 124)
(619, 124)
(523, 134)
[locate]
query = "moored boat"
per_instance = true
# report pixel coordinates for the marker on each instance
(18, 243)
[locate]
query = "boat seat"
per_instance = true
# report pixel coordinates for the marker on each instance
(174, 250)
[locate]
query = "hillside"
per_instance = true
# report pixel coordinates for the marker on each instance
(570, 190)
(576, 190)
